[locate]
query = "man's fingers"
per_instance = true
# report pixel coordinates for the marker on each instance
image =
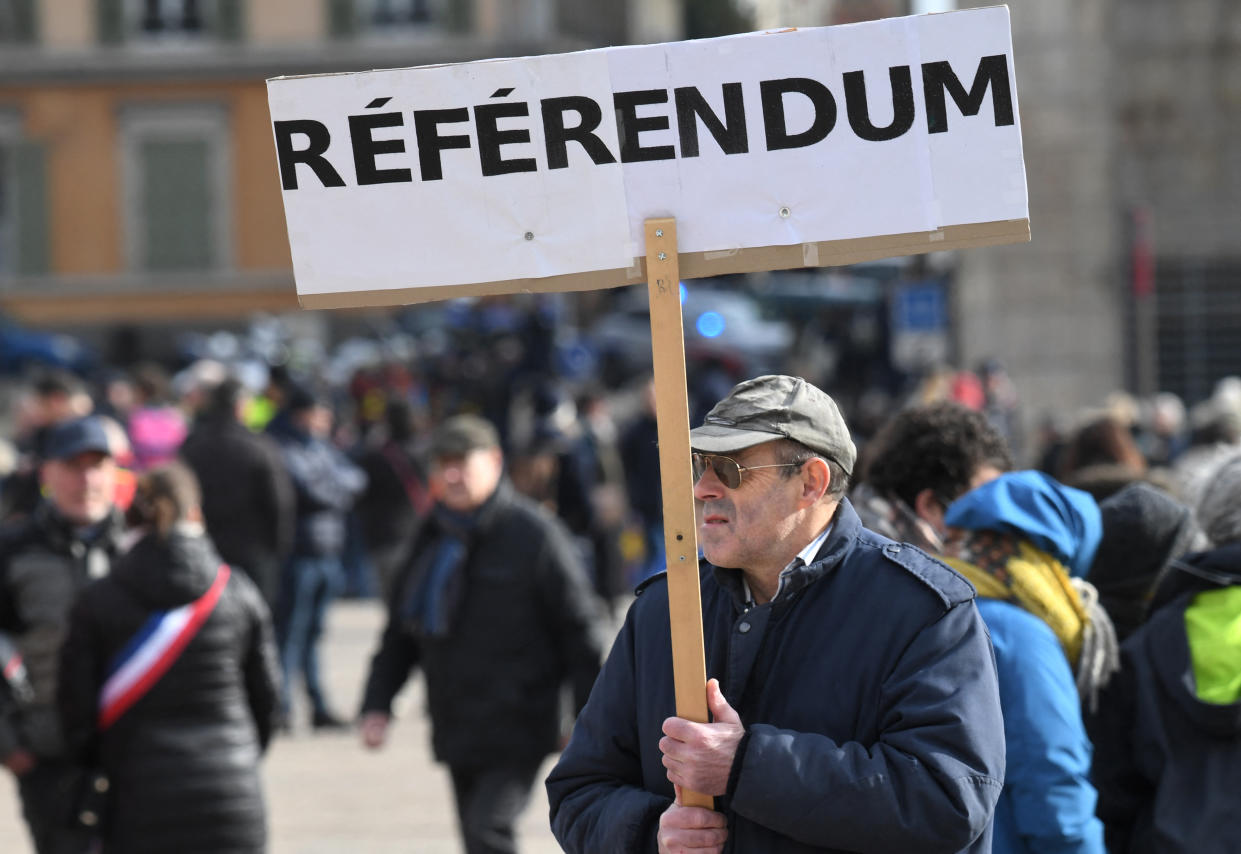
(721, 711)
(680, 729)
(693, 818)
(696, 840)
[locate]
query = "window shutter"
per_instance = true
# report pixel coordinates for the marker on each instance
(177, 205)
(31, 208)
(24, 21)
(342, 18)
(228, 20)
(458, 16)
(111, 21)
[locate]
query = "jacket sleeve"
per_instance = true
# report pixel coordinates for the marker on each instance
(280, 496)
(930, 781)
(598, 803)
(79, 683)
(9, 740)
(260, 667)
(1124, 793)
(572, 608)
(396, 658)
(1048, 789)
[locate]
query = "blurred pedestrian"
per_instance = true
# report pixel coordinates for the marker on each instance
(326, 483)
(853, 692)
(1144, 530)
(496, 609)
(168, 685)
(397, 496)
(1216, 436)
(156, 427)
(1023, 540)
(1168, 732)
(71, 538)
(639, 449)
(247, 495)
(923, 459)
(1101, 458)
(53, 397)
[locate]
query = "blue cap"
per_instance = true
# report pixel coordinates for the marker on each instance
(78, 436)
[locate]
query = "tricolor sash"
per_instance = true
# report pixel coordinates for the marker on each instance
(154, 649)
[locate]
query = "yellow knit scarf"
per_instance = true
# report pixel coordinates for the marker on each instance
(1003, 567)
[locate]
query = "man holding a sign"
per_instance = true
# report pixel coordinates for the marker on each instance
(854, 691)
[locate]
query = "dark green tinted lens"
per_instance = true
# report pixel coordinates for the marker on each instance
(725, 469)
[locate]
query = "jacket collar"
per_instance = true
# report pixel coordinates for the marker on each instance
(845, 527)
(487, 513)
(62, 535)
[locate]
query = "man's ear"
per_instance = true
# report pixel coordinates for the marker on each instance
(815, 479)
(930, 509)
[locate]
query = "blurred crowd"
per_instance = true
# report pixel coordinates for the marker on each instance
(312, 485)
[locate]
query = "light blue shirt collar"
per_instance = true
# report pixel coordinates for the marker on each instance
(804, 558)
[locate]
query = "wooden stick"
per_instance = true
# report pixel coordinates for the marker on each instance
(680, 540)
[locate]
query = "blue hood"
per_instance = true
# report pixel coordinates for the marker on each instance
(1058, 519)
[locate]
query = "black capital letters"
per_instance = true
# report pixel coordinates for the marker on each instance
(557, 136)
(775, 122)
(490, 138)
(902, 105)
(317, 141)
(729, 134)
(628, 125)
(366, 148)
(938, 76)
(431, 144)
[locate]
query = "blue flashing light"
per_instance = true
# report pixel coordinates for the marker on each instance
(710, 324)
(684, 293)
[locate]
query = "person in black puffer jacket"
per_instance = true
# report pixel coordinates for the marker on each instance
(183, 760)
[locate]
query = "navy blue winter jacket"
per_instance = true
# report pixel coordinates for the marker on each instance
(869, 696)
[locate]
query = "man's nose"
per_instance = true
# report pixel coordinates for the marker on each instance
(708, 486)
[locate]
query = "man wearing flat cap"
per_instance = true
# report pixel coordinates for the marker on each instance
(45, 559)
(852, 687)
(497, 610)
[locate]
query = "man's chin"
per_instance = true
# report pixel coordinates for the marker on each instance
(718, 557)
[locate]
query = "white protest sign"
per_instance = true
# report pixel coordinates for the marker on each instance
(785, 149)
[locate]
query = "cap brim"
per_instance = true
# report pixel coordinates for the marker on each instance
(83, 448)
(718, 439)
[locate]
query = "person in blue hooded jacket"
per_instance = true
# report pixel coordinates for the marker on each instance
(1024, 541)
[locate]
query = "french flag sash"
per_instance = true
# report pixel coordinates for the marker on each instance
(154, 649)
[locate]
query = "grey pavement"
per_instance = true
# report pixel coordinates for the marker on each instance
(327, 795)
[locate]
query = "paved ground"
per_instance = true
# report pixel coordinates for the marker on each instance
(328, 796)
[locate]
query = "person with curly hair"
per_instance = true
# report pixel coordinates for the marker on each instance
(922, 460)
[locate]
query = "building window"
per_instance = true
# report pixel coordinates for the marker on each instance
(177, 179)
(176, 22)
(23, 201)
(17, 21)
(399, 18)
(388, 13)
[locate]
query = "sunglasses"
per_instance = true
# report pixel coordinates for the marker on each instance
(729, 470)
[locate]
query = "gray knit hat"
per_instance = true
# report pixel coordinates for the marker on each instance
(776, 407)
(1219, 506)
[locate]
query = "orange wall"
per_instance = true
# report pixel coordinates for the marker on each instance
(78, 130)
(78, 124)
(260, 237)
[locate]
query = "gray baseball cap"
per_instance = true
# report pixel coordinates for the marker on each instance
(461, 434)
(776, 407)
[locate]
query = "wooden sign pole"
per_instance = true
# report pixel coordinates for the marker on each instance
(689, 669)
